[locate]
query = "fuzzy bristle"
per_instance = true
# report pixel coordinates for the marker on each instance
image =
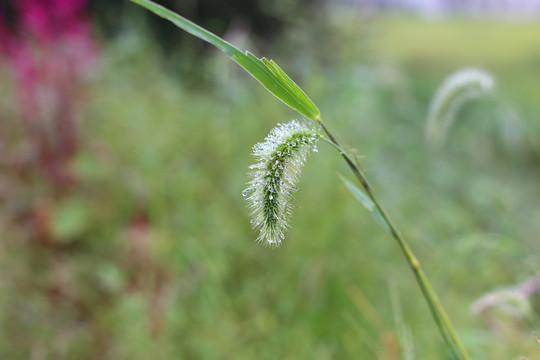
(280, 158)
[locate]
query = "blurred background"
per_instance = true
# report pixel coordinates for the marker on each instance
(125, 145)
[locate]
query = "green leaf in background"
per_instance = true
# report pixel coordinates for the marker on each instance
(267, 72)
(368, 204)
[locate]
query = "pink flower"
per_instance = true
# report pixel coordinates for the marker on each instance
(50, 51)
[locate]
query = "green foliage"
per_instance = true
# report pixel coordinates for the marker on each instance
(272, 216)
(178, 154)
(267, 72)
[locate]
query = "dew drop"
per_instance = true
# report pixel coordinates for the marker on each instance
(282, 236)
(270, 197)
(315, 149)
(244, 193)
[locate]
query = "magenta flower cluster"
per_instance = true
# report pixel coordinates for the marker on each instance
(49, 50)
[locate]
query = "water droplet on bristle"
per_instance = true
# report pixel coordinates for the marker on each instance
(244, 193)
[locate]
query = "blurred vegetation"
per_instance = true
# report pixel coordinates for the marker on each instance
(265, 20)
(150, 253)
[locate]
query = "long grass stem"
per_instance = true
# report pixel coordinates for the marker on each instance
(439, 314)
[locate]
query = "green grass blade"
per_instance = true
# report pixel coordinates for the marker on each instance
(368, 204)
(266, 72)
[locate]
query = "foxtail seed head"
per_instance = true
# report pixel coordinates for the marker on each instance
(456, 90)
(273, 178)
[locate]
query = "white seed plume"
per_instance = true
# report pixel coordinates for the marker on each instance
(456, 90)
(279, 161)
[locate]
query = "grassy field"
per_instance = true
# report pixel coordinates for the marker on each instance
(163, 257)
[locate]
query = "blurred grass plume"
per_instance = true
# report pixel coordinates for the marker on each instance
(457, 89)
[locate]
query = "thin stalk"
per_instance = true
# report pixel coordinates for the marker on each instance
(439, 314)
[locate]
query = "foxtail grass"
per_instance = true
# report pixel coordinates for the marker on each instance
(273, 178)
(457, 90)
(264, 206)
